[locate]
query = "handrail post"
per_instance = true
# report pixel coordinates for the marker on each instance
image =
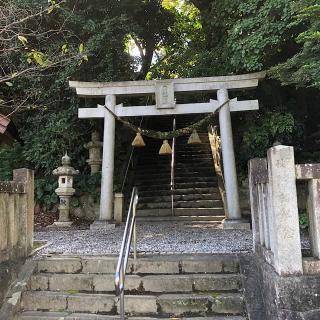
(122, 312)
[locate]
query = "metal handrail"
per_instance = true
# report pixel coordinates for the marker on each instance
(172, 182)
(129, 231)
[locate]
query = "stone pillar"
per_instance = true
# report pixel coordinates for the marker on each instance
(118, 207)
(106, 199)
(26, 176)
(233, 214)
(286, 234)
(313, 206)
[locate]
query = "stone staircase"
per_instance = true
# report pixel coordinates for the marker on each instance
(180, 287)
(196, 194)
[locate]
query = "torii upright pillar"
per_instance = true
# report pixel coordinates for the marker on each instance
(233, 213)
(105, 219)
(106, 197)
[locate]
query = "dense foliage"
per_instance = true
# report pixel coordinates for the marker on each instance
(127, 40)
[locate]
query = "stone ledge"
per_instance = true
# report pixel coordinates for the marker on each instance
(102, 225)
(12, 187)
(240, 224)
(311, 266)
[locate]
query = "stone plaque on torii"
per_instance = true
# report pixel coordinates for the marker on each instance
(164, 91)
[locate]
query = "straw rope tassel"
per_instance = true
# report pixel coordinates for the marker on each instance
(138, 141)
(194, 138)
(165, 148)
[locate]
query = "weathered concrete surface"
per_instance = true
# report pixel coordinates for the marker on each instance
(229, 167)
(178, 305)
(155, 286)
(36, 300)
(12, 302)
(118, 207)
(284, 233)
(9, 271)
(149, 283)
(100, 89)
(88, 208)
(94, 303)
(60, 265)
(311, 266)
(139, 305)
(226, 264)
(314, 216)
(16, 215)
(161, 264)
(227, 304)
(272, 297)
(252, 287)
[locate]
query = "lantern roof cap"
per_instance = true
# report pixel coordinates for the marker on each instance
(65, 169)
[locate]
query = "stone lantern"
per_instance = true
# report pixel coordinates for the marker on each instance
(65, 190)
(94, 148)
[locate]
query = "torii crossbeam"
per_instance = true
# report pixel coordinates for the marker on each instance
(164, 91)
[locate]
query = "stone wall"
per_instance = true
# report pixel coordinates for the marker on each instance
(87, 208)
(273, 297)
(16, 225)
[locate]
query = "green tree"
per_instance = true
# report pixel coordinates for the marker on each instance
(303, 69)
(33, 42)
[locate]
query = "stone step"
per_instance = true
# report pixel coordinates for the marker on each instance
(164, 264)
(40, 315)
(182, 219)
(179, 160)
(180, 164)
(189, 191)
(180, 185)
(154, 149)
(166, 168)
(181, 212)
(154, 156)
(186, 304)
(161, 305)
(177, 179)
(182, 143)
(181, 197)
(178, 173)
(195, 204)
(193, 152)
(177, 283)
(184, 167)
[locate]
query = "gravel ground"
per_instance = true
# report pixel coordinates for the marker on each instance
(163, 238)
(152, 238)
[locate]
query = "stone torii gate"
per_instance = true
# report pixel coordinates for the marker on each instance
(164, 91)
